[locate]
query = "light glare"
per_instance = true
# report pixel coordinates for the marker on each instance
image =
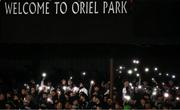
(167, 74)
(130, 72)
(177, 98)
(84, 73)
(139, 87)
(44, 74)
(137, 74)
(160, 74)
(155, 69)
(135, 69)
(173, 76)
(166, 95)
(120, 67)
(154, 93)
(127, 97)
(146, 69)
(92, 82)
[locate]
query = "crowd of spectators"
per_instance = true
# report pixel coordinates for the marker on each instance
(69, 94)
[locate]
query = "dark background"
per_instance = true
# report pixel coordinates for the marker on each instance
(147, 22)
(30, 45)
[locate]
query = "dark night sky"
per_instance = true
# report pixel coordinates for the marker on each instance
(148, 22)
(150, 32)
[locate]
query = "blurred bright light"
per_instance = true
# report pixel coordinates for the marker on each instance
(130, 84)
(40, 88)
(135, 69)
(84, 73)
(137, 74)
(44, 74)
(146, 69)
(75, 89)
(92, 82)
(37, 85)
(160, 74)
(155, 69)
(25, 84)
(49, 100)
(120, 67)
(120, 71)
(64, 88)
(48, 87)
(127, 97)
(177, 98)
(177, 87)
(167, 74)
(173, 76)
(59, 92)
(163, 83)
(136, 61)
(130, 72)
(132, 87)
(27, 87)
(152, 79)
(154, 93)
(71, 77)
(166, 95)
(155, 89)
(139, 87)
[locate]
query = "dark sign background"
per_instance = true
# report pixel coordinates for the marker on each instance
(147, 22)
